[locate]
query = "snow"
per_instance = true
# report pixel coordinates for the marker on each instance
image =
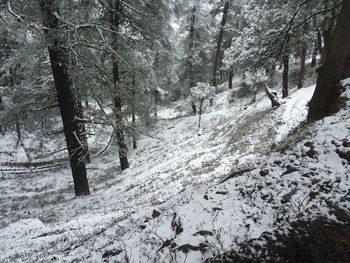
(294, 111)
(179, 174)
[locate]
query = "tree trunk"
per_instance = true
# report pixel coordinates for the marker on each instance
(219, 43)
(314, 56)
(18, 131)
(230, 79)
(122, 148)
(326, 33)
(285, 75)
(327, 28)
(66, 100)
(82, 133)
(1, 104)
(133, 113)
(335, 68)
(1, 109)
(201, 101)
(302, 66)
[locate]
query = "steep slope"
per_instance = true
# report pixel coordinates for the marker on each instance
(176, 166)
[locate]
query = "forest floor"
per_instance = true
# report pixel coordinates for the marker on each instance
(190, 194)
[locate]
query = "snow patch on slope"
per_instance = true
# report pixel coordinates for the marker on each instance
(173, 159)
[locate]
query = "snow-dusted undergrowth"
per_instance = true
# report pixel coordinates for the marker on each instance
(170, 205)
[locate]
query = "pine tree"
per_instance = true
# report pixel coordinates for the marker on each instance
(65, 95)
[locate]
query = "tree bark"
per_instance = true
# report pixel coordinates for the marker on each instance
(318, 48)
(335, 68)
(285, 61)
(219, 43)
(18, 131)
(230, 79)
(122, 148)
(82, 133)
(302, 66)
(314, 56)
(327, 28)
(133, 113)
(1, 104)
(65, 96)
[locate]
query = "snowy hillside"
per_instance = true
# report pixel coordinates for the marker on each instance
(170, 204)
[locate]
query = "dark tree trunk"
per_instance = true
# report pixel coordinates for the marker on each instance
(285, 75)
(1, 109)
(201, 101)
(66, 99)
(194, 109)
(314, 56)
(82, 134)
(133, 113)
(326, 38)
(302, 66)
(122, 148)
(319, 41)
(230, 79)
(335, 68)
(219, 43)
(327, 28)
(18, 131)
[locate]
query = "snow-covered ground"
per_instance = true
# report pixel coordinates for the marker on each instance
(170, 205)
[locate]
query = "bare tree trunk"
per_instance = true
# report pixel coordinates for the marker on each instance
(327, 29)
(219, 43)
(302, 66)
(18, 131)
(122, 148)
(314, 56)
(133, 113)
(335, 68)
(66, 100)
(319, 48)
(285, 61)
(230, 79)
(1, 109)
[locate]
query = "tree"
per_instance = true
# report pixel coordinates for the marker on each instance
(285, 75)
(335, 68)
(115, 12)
(219, 42)
(191, 54)
(198, 27)
(66, 99)
(302, 65)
